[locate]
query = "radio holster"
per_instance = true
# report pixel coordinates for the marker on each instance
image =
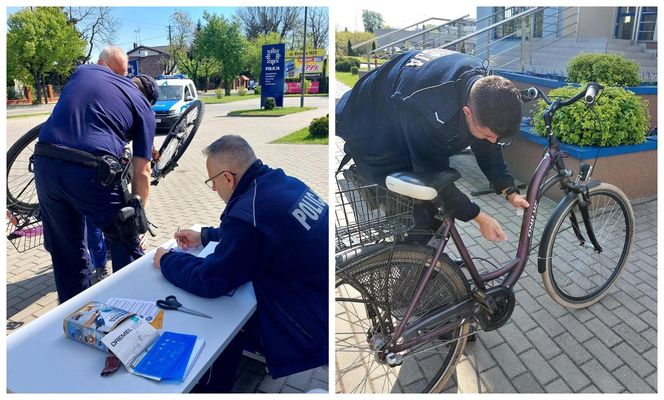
(131, 220)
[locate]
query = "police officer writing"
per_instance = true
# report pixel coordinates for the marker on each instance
(78, 168)
(419, 109)
(273, 233)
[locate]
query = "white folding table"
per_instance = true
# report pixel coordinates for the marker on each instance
(41, 359)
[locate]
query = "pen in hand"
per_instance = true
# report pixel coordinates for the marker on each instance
(177, 239)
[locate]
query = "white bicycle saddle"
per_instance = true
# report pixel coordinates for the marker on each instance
(421, 186)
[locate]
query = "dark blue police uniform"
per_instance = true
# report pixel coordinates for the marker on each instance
(98, 112)
(273, 233)
(407, 115)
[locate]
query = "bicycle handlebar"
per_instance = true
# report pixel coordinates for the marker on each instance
(589, 94)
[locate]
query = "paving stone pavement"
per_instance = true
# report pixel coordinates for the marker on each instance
(181, 200)
(610, 347)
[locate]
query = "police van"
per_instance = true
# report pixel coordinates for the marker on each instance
(176, 92)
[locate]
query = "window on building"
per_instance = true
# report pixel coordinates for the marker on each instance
(512, 29)
(647, 23)
(625, 21)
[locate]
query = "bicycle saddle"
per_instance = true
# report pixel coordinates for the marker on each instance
(421, 186)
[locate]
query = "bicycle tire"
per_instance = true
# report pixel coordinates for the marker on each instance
(385, 283)
(571, 275)
(177, 140)
(21, 189)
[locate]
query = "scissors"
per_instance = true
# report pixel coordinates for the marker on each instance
(171, 303)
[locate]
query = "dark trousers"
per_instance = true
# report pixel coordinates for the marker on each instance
(67, 193)
(222, 374)
(96, 244)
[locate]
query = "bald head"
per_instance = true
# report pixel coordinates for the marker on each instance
(114, 58)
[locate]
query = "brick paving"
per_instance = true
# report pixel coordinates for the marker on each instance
(181, 200)
(610, 347)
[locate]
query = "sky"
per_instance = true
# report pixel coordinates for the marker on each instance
(149, 23)
(396, 14)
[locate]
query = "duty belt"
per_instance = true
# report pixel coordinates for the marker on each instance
(75, 156)
(110, 170)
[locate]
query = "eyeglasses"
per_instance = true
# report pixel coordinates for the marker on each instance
(505, 142)
(209, 181)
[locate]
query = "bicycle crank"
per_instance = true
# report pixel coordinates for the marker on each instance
(503, 299)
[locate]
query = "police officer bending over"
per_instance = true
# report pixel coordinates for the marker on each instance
(417, 110)
(79, 165)
(273, 233)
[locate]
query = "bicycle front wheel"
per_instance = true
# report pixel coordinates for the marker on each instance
(372, 297)
(21, 189)
(177, 140)
(576, 275)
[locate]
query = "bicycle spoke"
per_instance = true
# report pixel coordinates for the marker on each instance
(579, 271)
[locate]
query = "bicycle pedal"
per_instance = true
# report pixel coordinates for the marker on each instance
(487, 302)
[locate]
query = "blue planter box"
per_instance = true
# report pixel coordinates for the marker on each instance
(588, 152)
(632, 168)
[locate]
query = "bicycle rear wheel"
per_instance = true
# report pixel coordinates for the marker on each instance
(177, 140)
(372, 296)
(575, 274)
(21, 189)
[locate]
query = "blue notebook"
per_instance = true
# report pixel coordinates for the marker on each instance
(168, 357)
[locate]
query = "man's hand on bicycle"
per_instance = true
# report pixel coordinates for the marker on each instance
(489, 227)
(518, 201)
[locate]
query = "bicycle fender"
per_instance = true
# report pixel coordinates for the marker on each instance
(548, 229)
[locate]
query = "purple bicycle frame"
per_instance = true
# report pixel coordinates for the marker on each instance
(514, 267)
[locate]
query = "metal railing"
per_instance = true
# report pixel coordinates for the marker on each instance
(508, 43)
(376, 53)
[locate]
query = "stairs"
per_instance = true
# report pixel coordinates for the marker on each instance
(551, 55)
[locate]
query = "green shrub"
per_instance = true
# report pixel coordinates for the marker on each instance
(320, 127)
(353, 61)
(257, 89)
(342, 66)
(270, 103)
(241, 91)
(619, 117)
(219, 93)
(354, 70)
(11, 93)
(607, 69)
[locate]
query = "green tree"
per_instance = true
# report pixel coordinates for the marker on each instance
(40, 41)
(196, 64)
(342, 38)
(222, 40)
(254, 51)
(372, 20)
(349, 47)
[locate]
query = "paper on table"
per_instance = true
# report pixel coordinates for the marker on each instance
(147, 310)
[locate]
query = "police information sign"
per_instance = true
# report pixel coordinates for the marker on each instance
(272, 73)
(132, 68)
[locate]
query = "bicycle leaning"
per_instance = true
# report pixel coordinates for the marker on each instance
(404, 311)
(23, 217)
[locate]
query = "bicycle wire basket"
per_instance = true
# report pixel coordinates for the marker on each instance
(366, 213)
(24, 231)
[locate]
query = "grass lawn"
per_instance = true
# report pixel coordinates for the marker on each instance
(300, 137)
(228, 99)
(347, 78)
(28, 115)
(276, 112)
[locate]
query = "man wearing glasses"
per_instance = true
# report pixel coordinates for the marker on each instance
(422, 107)
(273, 233)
